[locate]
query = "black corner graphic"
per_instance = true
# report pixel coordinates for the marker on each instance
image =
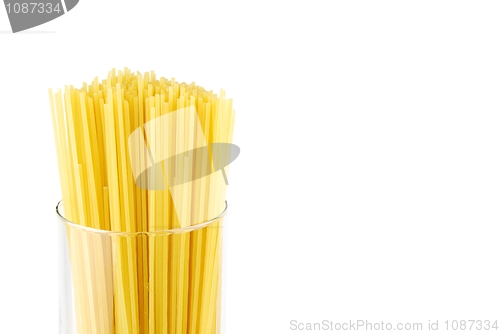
(26, 14)
(70, 4)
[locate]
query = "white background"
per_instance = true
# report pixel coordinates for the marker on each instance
(368, 186)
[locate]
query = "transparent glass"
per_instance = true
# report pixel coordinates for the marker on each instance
(145, 282)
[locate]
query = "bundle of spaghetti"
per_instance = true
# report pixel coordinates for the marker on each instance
(135, 157)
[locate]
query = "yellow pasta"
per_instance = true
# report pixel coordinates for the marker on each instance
(138, 173)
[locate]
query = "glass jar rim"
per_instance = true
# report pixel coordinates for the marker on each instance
(159, 232)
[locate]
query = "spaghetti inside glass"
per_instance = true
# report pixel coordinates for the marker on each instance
(167, 281)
